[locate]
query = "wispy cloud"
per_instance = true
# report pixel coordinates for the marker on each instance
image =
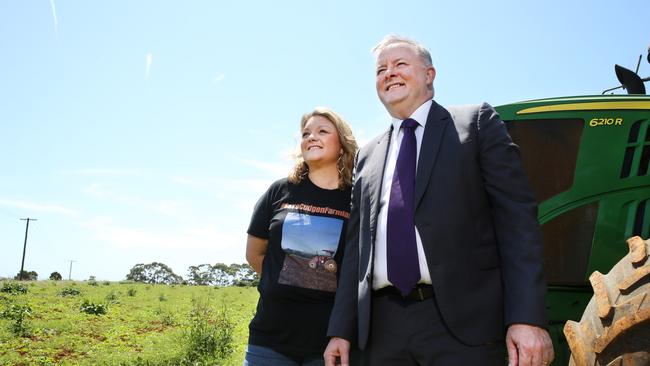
(97, 190)
(183, 180)
(219, 78)
(362, 137)
(37, 207)
(180, 210)
(172, 208)
(56, 21)
(195, 237)
(148, 61)
(224, 186)
(240, 194)
(103, 172)
(279, 169)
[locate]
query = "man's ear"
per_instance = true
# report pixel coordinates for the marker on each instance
(431, 74)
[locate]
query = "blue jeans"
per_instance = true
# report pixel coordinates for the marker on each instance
(264, 356)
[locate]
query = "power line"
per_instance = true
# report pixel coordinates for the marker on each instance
(22, 264)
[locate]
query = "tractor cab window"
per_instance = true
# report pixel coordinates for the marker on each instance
(549, 151)
(567, 245)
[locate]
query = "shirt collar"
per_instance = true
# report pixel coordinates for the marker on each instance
(420, 115)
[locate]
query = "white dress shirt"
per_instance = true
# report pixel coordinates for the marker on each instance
(380, 272)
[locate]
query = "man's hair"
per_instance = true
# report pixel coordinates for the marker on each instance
(345, 164)
(392, 39)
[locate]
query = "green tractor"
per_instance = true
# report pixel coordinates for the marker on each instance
(588, 160)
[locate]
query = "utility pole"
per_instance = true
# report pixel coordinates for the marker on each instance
(70, 273)
(22, 264)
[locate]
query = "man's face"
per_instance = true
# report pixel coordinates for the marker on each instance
(403, 80)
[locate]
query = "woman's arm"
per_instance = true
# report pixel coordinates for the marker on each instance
(255, 252)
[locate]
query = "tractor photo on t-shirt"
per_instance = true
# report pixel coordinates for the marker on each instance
(310, 243)
(324, 261)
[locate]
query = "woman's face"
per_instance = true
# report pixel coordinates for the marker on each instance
(320, 143)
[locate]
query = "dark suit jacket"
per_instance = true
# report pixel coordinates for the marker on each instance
(477, 218)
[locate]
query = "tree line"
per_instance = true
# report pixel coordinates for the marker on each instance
(219, 274)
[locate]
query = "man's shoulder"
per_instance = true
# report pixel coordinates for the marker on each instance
(463, 110)
(469, 113)
(463, 107)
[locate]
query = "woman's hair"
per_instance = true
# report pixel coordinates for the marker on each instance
(349, 145)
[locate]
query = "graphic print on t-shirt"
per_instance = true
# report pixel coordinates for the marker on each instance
(310, 243)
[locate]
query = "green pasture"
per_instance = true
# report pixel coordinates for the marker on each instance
(142, 325)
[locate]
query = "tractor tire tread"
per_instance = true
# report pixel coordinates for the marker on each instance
(621, 301)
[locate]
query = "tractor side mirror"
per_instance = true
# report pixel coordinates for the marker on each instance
(629, 80)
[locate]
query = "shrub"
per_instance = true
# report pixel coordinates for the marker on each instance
(131, 292)
(26, 275)
(225, 333)
(166, 317)
(162, 297)
(106, 283)
(13, 288)
(92, 281)
(69, 291)
(19, 314)
(92, 308)
(208, 339)
(55, 276)
(111, 297)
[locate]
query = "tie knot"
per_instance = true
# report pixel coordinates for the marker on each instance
(410, 123)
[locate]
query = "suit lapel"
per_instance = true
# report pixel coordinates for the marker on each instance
(437, 121)
(376, 177)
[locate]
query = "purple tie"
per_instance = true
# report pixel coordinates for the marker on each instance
(402, 253)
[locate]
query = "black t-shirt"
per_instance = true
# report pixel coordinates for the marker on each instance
(305, 227)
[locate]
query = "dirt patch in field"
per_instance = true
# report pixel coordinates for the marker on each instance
(154, 326)
(65, 352)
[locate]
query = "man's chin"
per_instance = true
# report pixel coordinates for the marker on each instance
(395, 110)
(392, 103)
(393, 98)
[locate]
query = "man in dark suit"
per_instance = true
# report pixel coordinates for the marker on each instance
(443, 260)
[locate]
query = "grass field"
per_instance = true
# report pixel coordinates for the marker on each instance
(143, 324)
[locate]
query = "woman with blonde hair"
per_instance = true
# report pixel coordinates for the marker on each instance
(296, 243)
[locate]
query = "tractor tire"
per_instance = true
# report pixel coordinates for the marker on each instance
(615, 328)
(313, 263)
(330, 265)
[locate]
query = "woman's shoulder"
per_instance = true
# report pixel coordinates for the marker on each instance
(278, 186)
(282, 182)
(284, 186)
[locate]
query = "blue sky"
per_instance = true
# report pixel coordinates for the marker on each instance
(141, 131)
(324, 233)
